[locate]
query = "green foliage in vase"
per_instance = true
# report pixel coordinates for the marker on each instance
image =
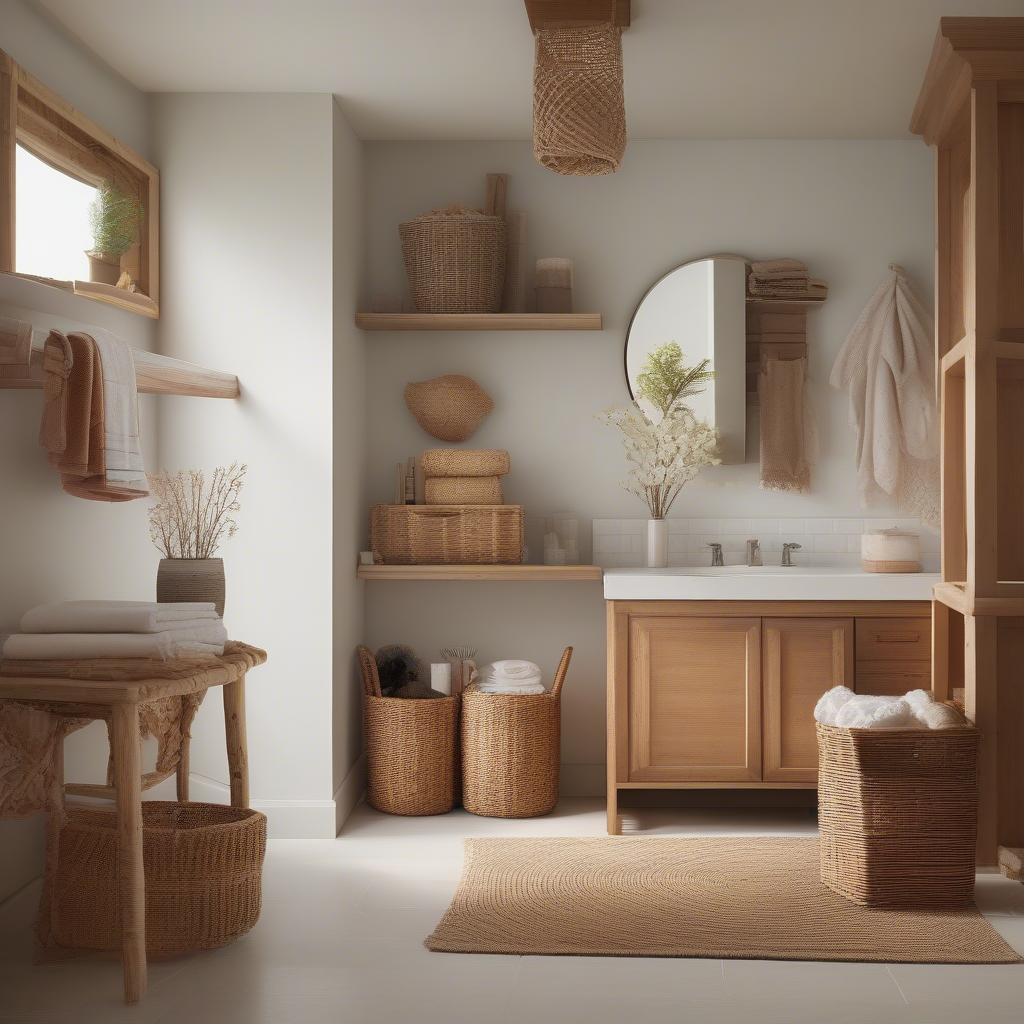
(115, 218)
(666, 380)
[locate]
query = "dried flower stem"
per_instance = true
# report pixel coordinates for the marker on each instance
(190, 519)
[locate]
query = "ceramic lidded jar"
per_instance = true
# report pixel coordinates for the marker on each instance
(890, 551)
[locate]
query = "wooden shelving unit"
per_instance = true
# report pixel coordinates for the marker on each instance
(484, 573)
(479, 321)
(971, 109)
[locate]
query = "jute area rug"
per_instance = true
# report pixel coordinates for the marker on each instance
(728, 898)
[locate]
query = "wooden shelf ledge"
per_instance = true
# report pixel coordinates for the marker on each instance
(154, 375)
(1008, 602)
(479, 321)
(484, 573)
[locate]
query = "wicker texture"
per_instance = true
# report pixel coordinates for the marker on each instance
(511, 750)
(450, 408)
(743, 898)
(455, 261)
(462, 490)
(579, 112)
(203, 866)
(897, 813)
(447, 534)
(410, 748)
(465, 462)
(191, 579)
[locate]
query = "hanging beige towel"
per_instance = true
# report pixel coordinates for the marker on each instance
(784, 426)
(887, 365)
(57, 363)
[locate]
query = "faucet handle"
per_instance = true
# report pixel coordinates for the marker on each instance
(716, 554)
(787, 551)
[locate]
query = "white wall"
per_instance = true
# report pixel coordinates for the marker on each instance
(349, 461)
(847, 208)
(53, 546)
(249, 286)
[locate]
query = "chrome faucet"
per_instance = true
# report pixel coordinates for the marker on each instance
(754, 552)
(787, 553)
(716, 554)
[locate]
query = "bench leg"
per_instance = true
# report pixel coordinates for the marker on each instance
(124, 735)
(234, 731)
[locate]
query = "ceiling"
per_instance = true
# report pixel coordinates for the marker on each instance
(461, 69)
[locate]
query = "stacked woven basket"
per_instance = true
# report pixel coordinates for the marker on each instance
(455, 476)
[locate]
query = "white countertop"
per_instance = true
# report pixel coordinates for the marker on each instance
(766, 583)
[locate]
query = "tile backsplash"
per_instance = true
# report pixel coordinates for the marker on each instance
(622, 543)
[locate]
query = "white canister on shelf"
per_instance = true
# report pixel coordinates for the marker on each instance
(890, 551)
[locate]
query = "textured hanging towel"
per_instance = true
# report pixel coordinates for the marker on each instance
(784, 426)
(887, 366)
(98, 453)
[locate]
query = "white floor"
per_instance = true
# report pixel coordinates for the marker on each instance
(341, 937)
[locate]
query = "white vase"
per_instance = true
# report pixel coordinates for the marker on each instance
(657, 543)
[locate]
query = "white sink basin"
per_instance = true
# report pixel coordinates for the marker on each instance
(765, 583)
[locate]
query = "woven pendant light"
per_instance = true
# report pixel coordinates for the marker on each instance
(579, 113)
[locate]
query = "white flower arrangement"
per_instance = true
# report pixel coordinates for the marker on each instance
(665, 455)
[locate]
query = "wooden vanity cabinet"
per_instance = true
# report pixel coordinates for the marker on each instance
(721, 694)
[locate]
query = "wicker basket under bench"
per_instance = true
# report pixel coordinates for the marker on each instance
(447, 534)
(897, 814)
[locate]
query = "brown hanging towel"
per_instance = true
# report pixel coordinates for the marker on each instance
(784, 465)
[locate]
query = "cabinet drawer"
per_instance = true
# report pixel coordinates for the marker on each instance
(893, 640)
(893, 678)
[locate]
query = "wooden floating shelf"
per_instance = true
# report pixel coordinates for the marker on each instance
(484, 573)
(133, 302)
(479, 321)
(154, 375)
(1009, 601)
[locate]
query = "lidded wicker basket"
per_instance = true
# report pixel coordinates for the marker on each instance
(455, 260)
(511, 750)
(898, 814)
(410, 748)
(203, 867)
(579, 110)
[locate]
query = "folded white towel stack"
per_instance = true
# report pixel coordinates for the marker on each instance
(117, 629)
(510, 676)
(915, 710)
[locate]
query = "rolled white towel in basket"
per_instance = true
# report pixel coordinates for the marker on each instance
(915, 710)
(509, 676)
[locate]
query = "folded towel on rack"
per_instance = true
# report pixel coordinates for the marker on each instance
(165, 644)
(15, 348)
(98, 454)
(57, 362)
(815, 288)
(118, 617)
(781, 269)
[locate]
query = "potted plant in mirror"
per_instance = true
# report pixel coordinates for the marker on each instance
(115, 218)
(668, 449)
(187, 522)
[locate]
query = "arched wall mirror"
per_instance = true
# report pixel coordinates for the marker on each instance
(701, 306)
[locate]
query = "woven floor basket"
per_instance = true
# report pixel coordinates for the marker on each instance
(579, 112)
(511, 750)
(203, 867)
(410, 748)
(897, 814)
(447, 534)
(455, 261)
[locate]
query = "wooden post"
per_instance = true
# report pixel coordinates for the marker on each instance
(234, 732)
(8, 158)
(131, 882)
(181, 772)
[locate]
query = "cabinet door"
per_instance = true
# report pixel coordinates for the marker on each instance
(694, 699)
(802, 659)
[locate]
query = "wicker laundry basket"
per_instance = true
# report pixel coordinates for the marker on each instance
(410, 748)
(447, 534)
(203, 867)
(511, 750)
(579, 110)
(897, 814)
(455, 261)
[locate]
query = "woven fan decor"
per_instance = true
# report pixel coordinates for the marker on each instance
(579, 112)
(455, 260)
(449, 408)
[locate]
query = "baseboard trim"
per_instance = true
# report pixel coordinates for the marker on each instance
(286, 819)
(350, 793)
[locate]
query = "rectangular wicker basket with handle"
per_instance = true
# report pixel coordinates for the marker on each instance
(447, 534)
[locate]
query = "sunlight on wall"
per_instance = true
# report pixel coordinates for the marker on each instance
(52, 220)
